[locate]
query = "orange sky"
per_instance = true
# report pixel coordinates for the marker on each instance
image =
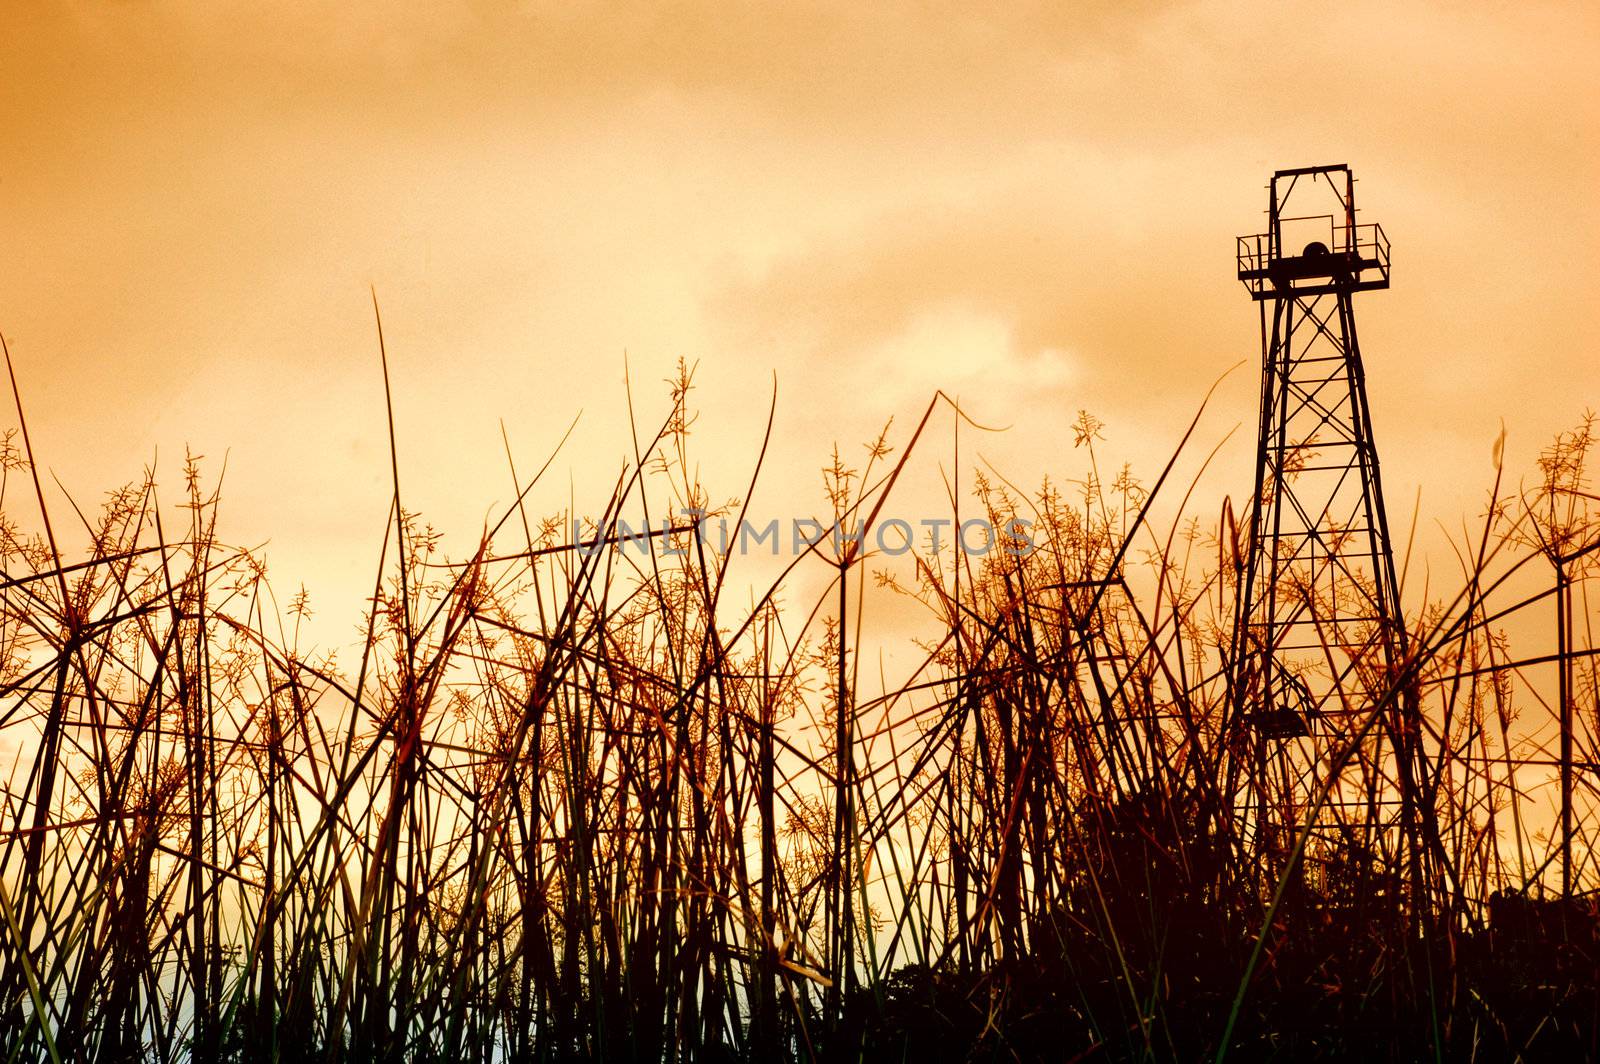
(1032, 209)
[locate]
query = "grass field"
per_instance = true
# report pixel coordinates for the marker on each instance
(609, 803)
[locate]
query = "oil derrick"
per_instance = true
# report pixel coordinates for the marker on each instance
(1318, 632)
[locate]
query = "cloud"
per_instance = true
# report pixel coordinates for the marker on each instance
(811, 64)
(1060, 267)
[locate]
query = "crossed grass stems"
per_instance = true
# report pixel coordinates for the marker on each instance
(591, 803)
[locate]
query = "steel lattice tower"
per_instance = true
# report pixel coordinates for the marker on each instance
(1318, 609)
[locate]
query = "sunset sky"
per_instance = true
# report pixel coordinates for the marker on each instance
(1032, 206)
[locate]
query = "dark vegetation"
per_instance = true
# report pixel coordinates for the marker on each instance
(569, 803)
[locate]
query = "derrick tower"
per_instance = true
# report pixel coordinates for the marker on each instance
(1318, 616)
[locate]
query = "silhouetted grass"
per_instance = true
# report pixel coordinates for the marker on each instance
(577, 801)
